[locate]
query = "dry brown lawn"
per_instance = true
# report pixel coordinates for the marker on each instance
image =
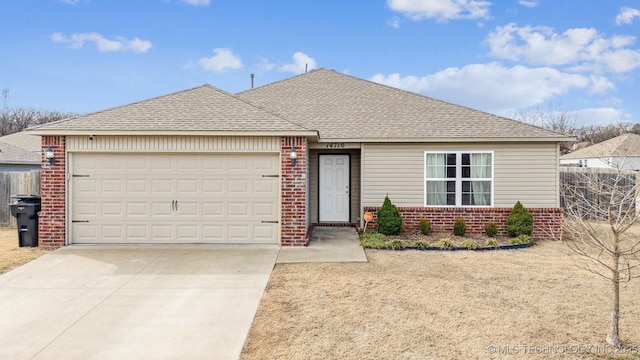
(527, 303)
(11, 255)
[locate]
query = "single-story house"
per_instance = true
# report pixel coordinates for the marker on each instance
(622, 152)
(20, 152)
(267, 164)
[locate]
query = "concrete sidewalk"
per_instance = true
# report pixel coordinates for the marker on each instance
(133, 302)
(327, 244)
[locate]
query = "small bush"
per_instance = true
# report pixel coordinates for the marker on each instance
(421, 245)
(372, 240)
(470, 244)
(521, 239)
(492, 243)
(491, 229)
(389, 219)
(519, 221)
(425, 226)
(446, 243)
(459, 227)
(396, 245)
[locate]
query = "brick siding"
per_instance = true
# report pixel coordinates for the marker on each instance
(547, 222)
(294, 193)
(51, 226)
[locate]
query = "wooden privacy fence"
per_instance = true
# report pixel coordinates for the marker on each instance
(590, 190)
(16, 182)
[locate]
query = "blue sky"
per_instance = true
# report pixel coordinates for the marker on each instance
(502, 56)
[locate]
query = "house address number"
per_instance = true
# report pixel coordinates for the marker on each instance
(335, 145)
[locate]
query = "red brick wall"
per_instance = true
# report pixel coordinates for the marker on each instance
(547, 222)
(294, 193)
(51, 226)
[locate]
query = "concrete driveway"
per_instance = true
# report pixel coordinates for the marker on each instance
(133, 302)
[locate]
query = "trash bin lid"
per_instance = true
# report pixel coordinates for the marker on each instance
(32, 199)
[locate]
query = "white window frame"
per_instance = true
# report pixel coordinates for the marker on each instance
(459, 179)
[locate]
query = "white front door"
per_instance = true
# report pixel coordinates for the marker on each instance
(334, 188)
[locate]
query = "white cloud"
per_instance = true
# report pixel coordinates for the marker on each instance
(77, 41)
(528, 3)
(301, 61)
(626, 15)
(70, 2)
(583, 49)
(491, 87)
(223, 59)
(265, 65)
(197, 2)
(441, 10)
(599, 116)
(394, 22)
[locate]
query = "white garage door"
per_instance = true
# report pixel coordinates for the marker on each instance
(174, 198)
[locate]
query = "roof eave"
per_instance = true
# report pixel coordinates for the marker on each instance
(58, 132)
(449, 139)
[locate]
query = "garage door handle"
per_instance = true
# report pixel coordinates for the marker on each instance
(176, 205)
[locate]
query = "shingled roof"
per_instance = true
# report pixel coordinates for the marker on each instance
(203, 108)
(322, 103)
(10, 154)
(343, 107)
(620, 146)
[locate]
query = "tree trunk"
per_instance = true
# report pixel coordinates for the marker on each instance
(613, 337)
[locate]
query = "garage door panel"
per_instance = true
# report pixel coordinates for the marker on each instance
(219, 198)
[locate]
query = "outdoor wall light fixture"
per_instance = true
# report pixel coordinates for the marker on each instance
(293, 155)
(49, 155)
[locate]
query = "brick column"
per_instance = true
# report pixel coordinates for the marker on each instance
(52, 224)
(294, 192)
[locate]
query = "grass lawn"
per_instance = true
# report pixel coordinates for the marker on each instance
(527, 303)
(11, 255)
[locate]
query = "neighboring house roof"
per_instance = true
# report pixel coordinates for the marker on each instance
(24, 141)
(10, 154)
(322, 103)
(199, 109)
(346, 108)
(621, 146)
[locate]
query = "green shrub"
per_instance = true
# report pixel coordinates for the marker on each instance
(425, 226)
(396, 245)
(519, 221)
(521, 239)
(372, 240)
(389, 219)
(421, 245)
(446, 243)
(459, 227)
(492, 243)
(491, 229)
(470, 244)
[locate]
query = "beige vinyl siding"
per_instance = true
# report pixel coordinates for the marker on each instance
(173, 143)
(355, 182)
(525, 172)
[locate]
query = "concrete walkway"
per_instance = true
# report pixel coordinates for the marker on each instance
(133, 302)
(327, 244)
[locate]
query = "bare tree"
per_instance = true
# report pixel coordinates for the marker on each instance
(600, 213)
(560, 121)
(13, 120)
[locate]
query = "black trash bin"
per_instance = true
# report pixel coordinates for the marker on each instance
(25, 209)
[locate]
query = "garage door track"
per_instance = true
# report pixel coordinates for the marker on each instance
(133, 302)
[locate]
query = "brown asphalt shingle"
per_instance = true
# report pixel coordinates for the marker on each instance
(620, 146)
(344, 107)
(203, 108)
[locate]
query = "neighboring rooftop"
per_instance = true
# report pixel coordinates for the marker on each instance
(24, 141)
(10, 154)
(620, 146)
